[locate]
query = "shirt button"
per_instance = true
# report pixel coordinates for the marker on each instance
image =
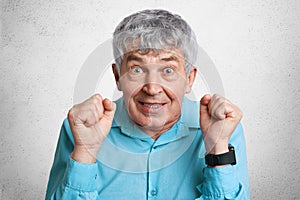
(153, 192)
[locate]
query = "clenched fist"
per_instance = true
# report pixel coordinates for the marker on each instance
(90, 123)
(218, 119)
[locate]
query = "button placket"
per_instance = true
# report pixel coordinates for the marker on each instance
(152, 175)
(153, 192)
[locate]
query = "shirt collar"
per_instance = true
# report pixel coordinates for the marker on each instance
(189, 119)
(190, 113)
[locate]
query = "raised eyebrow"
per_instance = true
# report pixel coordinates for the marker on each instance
(134, 58)
(171, 58)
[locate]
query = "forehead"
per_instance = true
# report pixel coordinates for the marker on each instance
(165, 55)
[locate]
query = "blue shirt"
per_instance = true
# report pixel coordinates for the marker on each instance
(131, 165)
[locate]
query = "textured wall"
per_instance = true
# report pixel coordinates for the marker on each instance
(254, 44)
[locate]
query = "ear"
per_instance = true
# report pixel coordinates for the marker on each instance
(117, 76)
(190, 80)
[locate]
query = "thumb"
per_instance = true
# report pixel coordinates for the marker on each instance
(105, 122)
(204, 110)
(109, 109)
(204, 103)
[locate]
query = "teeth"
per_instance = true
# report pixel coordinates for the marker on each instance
(154, 106)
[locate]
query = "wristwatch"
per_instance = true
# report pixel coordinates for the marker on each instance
(221, 159)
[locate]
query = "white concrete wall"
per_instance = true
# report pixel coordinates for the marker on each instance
(254, 44)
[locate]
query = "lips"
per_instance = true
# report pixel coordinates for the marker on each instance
(150, 107)
(153, 105)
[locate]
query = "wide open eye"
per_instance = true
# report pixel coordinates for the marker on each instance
(168, 70)
(137, 69)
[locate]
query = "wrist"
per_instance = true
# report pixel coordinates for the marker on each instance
(81, 154)
(218, 148)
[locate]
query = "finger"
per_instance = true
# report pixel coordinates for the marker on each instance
(96, 104)
(109, 108)
(215, 107)
(82, 117)
(235, 113)
(104, 124)
(97, 96)
(107, 104)
(222, 110)
(204, 102)
(204, 111)
(92, 110)
(215, 99)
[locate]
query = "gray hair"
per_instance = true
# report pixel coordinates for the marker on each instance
(155, 29)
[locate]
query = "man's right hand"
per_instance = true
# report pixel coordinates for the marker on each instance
(90, 123)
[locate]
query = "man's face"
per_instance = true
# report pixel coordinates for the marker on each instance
(153, 86)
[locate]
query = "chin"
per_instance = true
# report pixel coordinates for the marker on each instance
(153, 125)
(150, 122)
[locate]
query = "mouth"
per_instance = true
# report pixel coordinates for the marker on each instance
(151, 107)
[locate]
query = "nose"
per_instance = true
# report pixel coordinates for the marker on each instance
(152, 89)
(152, 82)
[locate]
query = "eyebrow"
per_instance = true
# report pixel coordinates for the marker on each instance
(171, 58)
(134, 58)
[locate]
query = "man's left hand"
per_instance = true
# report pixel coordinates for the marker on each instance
(218, 119)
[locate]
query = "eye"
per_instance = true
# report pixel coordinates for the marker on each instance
(137, 69)
(168, 70)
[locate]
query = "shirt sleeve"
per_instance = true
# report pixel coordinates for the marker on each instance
(228, 182)
(70, 179)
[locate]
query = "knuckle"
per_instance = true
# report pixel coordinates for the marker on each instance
(91, 110)
(71, 113)
(240, 114)
(97, 96)
(95, 101)
(213, 98)
(214, 95)
(95, 114)
(91, 118)
(216, 114)
(95, 107)
(224, 104)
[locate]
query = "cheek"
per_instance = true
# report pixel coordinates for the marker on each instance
(129, 88)
(176, 91)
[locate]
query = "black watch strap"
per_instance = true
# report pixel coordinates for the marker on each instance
(221, 159)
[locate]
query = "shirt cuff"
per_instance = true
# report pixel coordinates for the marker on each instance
(219, 182)
(81, 176)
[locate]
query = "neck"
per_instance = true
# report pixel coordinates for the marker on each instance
(154, 133)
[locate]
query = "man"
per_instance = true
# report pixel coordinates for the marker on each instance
(148, 144)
